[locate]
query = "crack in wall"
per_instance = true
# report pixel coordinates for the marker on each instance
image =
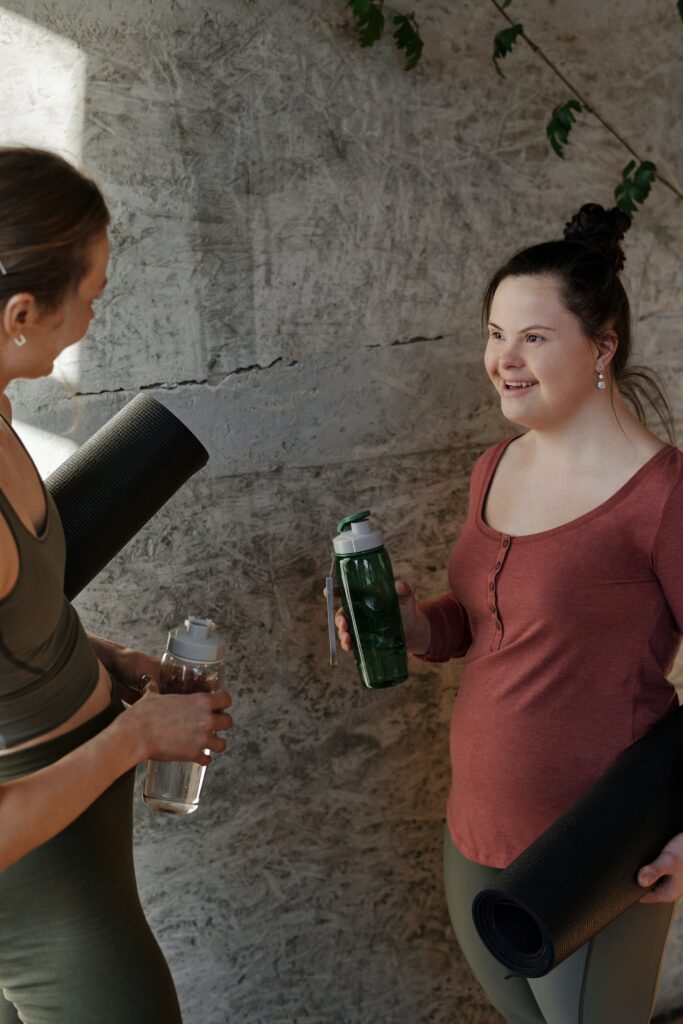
(408, 341)
(172, 385)
(213, 381)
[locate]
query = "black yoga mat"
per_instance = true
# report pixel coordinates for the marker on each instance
(114, 483)
(581, 873)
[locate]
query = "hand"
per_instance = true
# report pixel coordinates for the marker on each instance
(179, 727)
(667, 871)
(415, 624)
(132, 671)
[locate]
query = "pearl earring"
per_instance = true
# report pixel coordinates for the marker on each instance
(601, 380)
(20, 340)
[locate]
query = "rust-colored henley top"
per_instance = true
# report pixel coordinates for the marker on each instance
(568, 637)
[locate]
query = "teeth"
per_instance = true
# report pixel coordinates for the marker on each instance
(519, 384)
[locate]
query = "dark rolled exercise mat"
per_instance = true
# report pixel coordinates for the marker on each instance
(581, 873)
(114, 483)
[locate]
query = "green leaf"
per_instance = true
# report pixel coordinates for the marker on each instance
(506, 3)
(503, 44)
(635, 185)
(680, 8)
(560, 124)
(407, 37)
(369, 20)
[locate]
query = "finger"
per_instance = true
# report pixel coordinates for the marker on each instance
(222, 722)
(342, 625)
(665, 892)
(665, 864)
(202, 759)
(403, 589)
(148, 685)
(648, 875)
(217, 744)
(220, 699)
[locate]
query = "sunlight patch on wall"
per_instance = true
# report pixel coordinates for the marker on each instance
(42, 79)
(42, 84)
(47, 450)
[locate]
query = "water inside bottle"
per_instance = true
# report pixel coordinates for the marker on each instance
(173, 786)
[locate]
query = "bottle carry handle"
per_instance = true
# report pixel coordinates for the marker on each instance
(329, 587)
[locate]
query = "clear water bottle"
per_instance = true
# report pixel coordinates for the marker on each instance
(192, 663)
(370, 603)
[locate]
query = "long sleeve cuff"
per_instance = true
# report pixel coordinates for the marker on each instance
(450, 629)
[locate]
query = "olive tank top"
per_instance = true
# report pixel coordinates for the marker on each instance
(48, 667)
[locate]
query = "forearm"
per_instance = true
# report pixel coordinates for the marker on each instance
(107, 651)
(421, 638)
(36, 807)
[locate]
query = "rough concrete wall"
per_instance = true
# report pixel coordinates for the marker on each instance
(301, 236)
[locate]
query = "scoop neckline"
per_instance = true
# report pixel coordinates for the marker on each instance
(593, 513)
(41, 537)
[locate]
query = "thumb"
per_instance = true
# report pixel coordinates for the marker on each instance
(404, 590)
(649, 874)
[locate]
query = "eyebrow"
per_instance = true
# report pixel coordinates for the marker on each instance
(531, 327)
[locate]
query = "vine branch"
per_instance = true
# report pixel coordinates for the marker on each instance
(589, 107)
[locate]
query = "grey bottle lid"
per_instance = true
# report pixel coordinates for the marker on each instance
(356, 534)
(196, 640)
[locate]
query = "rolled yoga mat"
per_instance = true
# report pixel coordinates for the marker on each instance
(581, 873)
(113, 484)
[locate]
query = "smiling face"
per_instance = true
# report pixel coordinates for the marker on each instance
(538, 357)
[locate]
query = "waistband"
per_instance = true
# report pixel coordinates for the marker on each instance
(31, 759)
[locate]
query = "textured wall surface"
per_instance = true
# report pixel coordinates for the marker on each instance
(301, 235)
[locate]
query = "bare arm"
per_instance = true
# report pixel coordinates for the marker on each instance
(172, 727)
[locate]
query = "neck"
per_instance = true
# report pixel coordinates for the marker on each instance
(592, 435)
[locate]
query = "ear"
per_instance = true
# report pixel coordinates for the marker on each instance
(20, 312)
(605, 346)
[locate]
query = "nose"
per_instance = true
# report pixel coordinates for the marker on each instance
(510, 355)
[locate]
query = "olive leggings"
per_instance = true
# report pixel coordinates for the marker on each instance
(610, 980)
(75, 947)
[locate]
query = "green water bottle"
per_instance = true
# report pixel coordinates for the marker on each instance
(368, 594)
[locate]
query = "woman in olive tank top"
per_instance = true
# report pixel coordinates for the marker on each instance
(75, 947)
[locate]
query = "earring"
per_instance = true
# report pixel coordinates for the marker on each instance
(601, 380)
(20, 340)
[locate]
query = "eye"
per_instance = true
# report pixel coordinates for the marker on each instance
(536, 337)
(495, 335)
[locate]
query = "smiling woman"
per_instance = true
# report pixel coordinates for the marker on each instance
(566, 602)
(74, 943)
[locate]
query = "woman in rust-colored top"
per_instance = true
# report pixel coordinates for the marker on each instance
(566, 602)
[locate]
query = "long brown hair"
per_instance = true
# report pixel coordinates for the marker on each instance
(586, 262)
(49, 212)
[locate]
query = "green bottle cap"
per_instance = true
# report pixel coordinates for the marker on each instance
(357, 517)
(356, 535)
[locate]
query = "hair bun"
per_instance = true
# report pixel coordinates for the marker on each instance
(600, 229)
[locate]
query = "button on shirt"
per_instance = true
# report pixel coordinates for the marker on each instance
(568, 637)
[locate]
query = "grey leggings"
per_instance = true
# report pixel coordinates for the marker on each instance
(612, 978)
(75, 947)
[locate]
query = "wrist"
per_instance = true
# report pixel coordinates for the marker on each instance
(422, 638)
(128, 739)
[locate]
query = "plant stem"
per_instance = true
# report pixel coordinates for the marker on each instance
(585, 103)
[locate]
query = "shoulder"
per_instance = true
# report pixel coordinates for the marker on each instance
(489, 457)
(5, 407)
